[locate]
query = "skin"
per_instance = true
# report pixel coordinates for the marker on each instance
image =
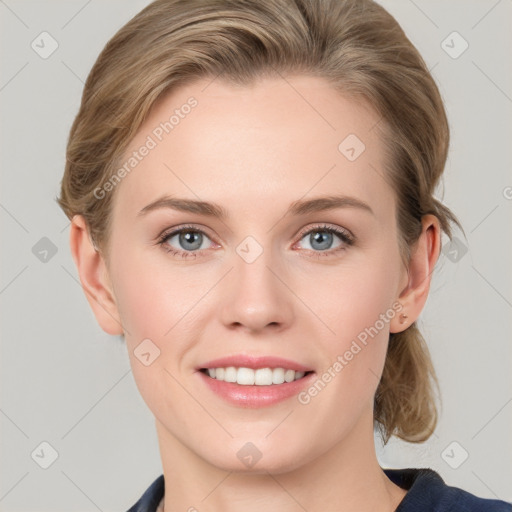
(254, 150)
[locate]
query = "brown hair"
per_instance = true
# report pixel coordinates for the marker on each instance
(356, 45)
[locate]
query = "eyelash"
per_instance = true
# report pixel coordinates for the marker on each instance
(346, 237)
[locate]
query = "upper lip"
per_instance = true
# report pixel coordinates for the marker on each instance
(246, 361)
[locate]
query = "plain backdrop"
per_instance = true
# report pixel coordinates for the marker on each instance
(68, 385)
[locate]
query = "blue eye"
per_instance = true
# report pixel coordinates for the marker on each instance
(189, 241)
(321, 239)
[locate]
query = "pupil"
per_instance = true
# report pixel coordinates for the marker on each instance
(188, 238)
(323, 238)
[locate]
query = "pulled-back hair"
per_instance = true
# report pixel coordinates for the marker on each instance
(355, 45)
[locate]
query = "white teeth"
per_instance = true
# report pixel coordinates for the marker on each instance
(245, 376)
(250, 377)
(277, 376)
(289, 375)
(262, 377)
(230, 374)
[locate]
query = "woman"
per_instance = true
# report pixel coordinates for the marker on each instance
(251, 188)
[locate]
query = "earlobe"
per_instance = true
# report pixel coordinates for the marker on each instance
(94, 277)
(424, 255)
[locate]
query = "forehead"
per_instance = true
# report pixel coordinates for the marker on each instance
(275, 140)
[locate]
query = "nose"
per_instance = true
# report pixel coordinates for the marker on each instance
(256, 297)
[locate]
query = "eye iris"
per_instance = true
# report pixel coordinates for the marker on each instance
(321, 237)
(188, 237)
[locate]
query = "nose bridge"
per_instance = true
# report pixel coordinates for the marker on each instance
(256, 296)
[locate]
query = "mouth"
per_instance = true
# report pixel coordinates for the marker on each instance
(255, 377)
(254, 381)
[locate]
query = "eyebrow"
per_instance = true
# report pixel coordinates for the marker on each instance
(299, 207)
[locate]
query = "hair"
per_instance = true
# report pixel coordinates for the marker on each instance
(355, 45)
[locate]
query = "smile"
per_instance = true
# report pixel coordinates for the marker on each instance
(254, 377)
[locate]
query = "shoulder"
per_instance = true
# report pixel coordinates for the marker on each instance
(426, 490)
(151, 498)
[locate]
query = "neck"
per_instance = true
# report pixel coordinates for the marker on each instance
(346, 477)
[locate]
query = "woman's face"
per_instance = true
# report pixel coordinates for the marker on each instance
(267, 279)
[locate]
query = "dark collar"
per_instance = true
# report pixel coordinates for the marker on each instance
(426, 491)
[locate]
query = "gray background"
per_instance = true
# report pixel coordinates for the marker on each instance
(65, 382)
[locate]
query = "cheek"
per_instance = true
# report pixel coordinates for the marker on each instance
(157, 302)
(150, 298)
(356, 295)
(156, 312)
(358, 307)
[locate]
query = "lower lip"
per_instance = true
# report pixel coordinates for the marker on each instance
(254, 397)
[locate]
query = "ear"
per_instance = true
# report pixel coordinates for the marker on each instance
(94, 277)
(414, 291)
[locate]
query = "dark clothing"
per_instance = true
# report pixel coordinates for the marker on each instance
(426, 491)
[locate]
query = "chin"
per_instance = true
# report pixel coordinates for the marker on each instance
(258, 457)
